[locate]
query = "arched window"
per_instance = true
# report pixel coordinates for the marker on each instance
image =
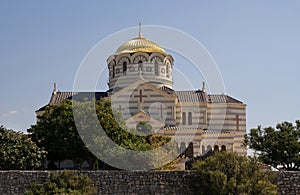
(216, 148)
(113, 71)
(223, 148)
(183, 118)
(203, 149)
(167, 67)
(156, 68)
(140, 66)
(209, 148)
(189, 118)
(124, 68)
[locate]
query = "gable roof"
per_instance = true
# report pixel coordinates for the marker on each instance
(142, 116)
(138, 83)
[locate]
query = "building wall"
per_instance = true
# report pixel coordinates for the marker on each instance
(131, 182)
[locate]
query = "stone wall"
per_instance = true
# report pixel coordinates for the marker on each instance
(141, 182)
(131, 182)
(288, 182)
(15, 182)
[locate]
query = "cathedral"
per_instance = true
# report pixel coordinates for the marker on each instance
(140, 88)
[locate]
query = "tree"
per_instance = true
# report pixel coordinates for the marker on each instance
(57, 132)
(228, 173)
(17, 151)
(66, 182)
(139, 140)
(278, 147)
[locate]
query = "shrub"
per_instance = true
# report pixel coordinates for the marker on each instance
(228, 173)
(64, 183)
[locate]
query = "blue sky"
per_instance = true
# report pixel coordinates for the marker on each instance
(256, 45)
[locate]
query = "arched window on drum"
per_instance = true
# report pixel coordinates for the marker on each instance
(124, 68)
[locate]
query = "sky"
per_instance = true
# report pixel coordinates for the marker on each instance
(255, 44)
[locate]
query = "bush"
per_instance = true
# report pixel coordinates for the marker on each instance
(228, 173)
(64, 183)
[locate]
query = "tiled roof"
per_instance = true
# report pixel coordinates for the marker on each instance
(191, 96)
(222, 99)
(204, 131)
(58, 97)
(200, 96)
(82, 96)
(167, 90)
(183, 96)
(78, 96)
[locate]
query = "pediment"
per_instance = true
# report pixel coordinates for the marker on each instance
(141, 83)
(142, 116)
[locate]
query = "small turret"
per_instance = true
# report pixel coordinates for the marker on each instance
(203, 87)
(54, 88)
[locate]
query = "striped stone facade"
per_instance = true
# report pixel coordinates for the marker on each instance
(140, 89)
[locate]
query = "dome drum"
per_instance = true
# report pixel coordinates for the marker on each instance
(140, 58)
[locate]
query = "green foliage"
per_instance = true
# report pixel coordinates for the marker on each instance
(228, 173)
(144, 128)
(278, 147)
(129, 139)
(17, 151)
(65, 183)
(57, 133)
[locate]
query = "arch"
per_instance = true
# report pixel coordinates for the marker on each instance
(111, 59)
(140, 56)
(168, 60)
(183, 118)
(190, 121)
(126, 55)
(208, 148)
(223, 148)
(216, 148)
(156, 55)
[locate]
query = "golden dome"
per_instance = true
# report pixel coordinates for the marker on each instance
(140, 45)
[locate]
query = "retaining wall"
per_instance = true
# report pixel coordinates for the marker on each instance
(131, 182)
